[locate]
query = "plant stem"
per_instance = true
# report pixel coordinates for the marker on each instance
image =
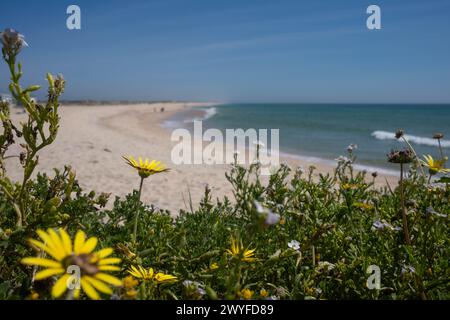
(415, 155)
(402, 199)
(136, 218)
(440, 149)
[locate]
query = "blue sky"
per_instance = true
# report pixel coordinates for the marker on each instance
(238, 50)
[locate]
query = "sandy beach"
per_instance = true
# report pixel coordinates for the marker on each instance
(92, 139)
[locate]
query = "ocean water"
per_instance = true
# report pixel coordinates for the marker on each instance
(322, 132)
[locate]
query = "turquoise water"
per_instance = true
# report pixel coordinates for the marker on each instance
(325, 130)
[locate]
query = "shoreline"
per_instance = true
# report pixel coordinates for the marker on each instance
(203, 114)
(93, 139)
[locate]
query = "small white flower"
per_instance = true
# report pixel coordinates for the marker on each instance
(187, 283)
(270, 218)
(343, 159)
(352, 147)
(294, 244)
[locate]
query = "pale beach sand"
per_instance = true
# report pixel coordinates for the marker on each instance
(92, 139)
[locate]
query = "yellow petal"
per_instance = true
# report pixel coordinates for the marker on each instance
(45, 248)
(89, 245)
(97, 284)
(103, 262)
(67, 243)
(108, 268)
(108, 279)
(76, 293)
(79, 242)
(103, 253)
(42, 262)
(57, 243)
(60, 286)
(89, 289)
(45, 238)
(48, 273)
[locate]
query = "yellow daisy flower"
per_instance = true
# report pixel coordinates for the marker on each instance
(149, 274)
(145, 168)
(239, 252)
(246, 294)
(141, 273)
(92, 265)
(213, 266)
(164, 278)
(263, 293)
(434, 166)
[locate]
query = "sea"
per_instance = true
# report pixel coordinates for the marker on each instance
(322, 132)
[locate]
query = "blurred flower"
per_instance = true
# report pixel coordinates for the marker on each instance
(352, 147)
(270, 218)
(343, 160)
(12, 41)
(434, 166)
(363, 205)
(91, 264)
(294, 244)
(381, 225)
(438, 135)
(264, 293)
(146, 168)
(349, 186)
(239, 252)
(130, 282)
(374, 174)
(246, 294)
(193, 289)
(431, 211)
(400, 156)
(214, 266)
(33, 296)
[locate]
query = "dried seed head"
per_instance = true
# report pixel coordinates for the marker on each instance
(438, 135)
(374, 174)
(400, 156)
(12, 41)
(399, 133)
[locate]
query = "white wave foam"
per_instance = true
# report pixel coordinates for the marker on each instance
(385, 135)
(208, 113)
(331, 163)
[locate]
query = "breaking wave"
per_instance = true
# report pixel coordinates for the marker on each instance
(386, 135)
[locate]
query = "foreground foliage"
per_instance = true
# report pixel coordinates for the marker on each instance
(294, 237)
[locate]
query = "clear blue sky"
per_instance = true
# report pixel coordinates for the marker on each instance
(238, 50)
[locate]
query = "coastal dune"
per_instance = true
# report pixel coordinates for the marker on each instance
(92, 140)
